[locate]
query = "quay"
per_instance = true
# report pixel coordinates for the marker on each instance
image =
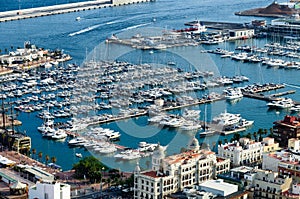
(273, 97)
(63, 8)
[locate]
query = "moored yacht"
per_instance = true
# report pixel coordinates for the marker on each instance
(233, 93)
(281, 104)
(77, 141)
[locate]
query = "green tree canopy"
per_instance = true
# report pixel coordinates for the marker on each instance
(90, 168)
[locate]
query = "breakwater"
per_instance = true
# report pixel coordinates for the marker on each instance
(63, 8)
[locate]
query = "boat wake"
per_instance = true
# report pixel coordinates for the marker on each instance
(85, 30)
(293, 86)
(136, 26)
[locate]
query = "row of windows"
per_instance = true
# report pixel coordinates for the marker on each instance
(147, 182)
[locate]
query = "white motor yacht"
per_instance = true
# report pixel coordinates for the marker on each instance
(77, 141)
(281, 104)
(227, 119)
(59, 134)
(233, 93)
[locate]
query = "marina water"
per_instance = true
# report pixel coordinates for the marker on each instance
(79, 38)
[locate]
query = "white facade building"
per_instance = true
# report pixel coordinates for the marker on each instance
(294, 145)
(173, 173)
(219, 187)
(53, 190)
(241, 33)
(244, 152)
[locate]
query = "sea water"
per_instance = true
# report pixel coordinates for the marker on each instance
(79, 38)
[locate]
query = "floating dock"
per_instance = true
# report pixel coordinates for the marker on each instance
(63, 8)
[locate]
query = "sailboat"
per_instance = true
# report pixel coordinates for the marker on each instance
(206, 131)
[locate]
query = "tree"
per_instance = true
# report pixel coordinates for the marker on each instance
(40, 156)
(89, 167)
(33, 153)
(255, 136)
(248, 135)
(220, 142)
(265, 131)
(47, 158)
(236, 136)
(271, 132)
(53, 159)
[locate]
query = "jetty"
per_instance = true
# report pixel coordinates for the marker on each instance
(63, 8)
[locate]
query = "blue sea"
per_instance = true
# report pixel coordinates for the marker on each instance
(79, 38)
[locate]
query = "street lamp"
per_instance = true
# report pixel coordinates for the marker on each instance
(102, 169)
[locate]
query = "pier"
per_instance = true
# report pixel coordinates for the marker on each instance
(63, 8)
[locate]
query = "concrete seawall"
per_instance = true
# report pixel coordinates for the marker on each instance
(63, 8)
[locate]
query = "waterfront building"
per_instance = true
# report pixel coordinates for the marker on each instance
(34, 174)
(173, 173)
(289, 26)
(284, 162)
(242, 152)
(294, 145)
(16, 141)
(55, 190)
(285, 129)
(241, 33)
(269, 184)
(269, 145)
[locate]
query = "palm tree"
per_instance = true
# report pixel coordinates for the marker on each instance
(53, 159)
(248, 135)
(40, 156)
(220, 142)
(47, 158)
(271, 132)
(265, 131)
(255, 136)
(33, 153)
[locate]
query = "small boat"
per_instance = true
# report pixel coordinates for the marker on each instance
(78, 155)
(78, 18)
(207, 133)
